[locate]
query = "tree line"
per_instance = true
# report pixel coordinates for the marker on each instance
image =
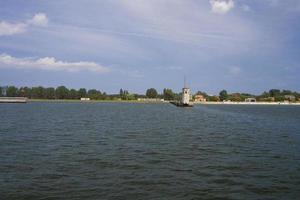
(63, 92)
(267, 96)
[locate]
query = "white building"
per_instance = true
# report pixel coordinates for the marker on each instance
(185, 95)
(250, 100)
(84, 99)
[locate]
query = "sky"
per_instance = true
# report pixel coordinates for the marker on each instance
(238, 45)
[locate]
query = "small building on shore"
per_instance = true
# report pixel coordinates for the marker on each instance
(3, 91)
(85, 99)
(199, 98)
(290, 97)
(253, 100)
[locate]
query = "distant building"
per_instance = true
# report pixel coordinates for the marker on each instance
(250, 100)
(85, 99)
(3, 90)
(289, 97)
(199, 98)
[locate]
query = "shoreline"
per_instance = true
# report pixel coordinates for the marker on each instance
(245, 103)
(156, 102)
(92, 101)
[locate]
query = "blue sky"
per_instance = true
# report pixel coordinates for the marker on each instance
(241, 45)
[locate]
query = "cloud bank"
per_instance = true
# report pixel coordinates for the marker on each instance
(221, 6)
(7, 28)
(50, 64)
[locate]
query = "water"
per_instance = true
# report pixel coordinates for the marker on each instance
(148, 151)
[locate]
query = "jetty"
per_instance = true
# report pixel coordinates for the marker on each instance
(13, 100)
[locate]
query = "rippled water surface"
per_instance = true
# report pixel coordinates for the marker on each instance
(149, 151)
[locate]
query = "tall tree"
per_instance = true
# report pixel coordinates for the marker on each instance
(201, 93)
(223, 95)
(49, 93)
(151, 93)
(24, 92)
(94, 94)
(12, 91)
(73, 94)
(38, 93)
(274, 92)
(82, 92)
(286, 92)
(168, 94)
(62, 92)
(121, 93)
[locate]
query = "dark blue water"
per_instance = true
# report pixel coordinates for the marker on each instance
(148, 151)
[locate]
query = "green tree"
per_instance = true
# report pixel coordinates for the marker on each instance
(201, 93)
(286, 92)
(168, 94)
(274, 92)
(151, 93)
(62, 92)
(38, 93)
(213, 98)
(223, 95)
(1, 92)
(125, 95)
(235, 97)
(73, 94)
(279, 98)
(82, 93)
(12, 91)
(121, 93)
(49, 93)
(94, 94)
(24, 92)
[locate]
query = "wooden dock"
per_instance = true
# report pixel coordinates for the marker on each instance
(13, 100)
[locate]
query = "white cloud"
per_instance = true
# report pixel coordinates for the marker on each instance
(6, 28)
(11, 29)
(50, 64)
(39, 19)
(221, 6)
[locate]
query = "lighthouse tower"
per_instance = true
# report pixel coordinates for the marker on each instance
(185, 94)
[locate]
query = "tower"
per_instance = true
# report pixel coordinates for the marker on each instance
(185, 93)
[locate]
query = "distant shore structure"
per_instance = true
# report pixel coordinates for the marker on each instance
(13, 100)
(252, 100)
(185, 98)
(85, 99)
(185, 95)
